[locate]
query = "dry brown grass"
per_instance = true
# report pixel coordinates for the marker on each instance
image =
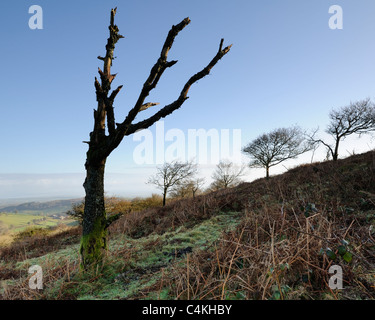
(39, 245)
(187, 212)
(52, 273)
(276, 251)
(270, 251)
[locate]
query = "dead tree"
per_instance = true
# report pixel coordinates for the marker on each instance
(102, 142)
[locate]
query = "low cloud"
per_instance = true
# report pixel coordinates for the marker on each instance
(41, 185)
(70, 185)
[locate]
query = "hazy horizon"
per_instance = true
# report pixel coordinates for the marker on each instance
(54, 186)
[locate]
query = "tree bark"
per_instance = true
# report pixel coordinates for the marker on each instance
(164, 197)
(267, 172)
(335, 154)
(94, 233)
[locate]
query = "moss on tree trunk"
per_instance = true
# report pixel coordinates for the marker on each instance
(94, 233)
(93, 246)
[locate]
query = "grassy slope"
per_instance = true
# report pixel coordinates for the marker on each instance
(132, 264)
(261, 240)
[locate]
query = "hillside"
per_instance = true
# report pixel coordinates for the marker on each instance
(269, 239)
(48, 207)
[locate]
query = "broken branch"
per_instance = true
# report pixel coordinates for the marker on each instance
(183, 95)
(148, 105)
(157, 71)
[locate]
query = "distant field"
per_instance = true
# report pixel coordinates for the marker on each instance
(18, 222)
(39, 212)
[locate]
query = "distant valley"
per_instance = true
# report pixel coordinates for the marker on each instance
(46, 208)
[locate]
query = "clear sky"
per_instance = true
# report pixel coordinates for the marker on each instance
(286, 67)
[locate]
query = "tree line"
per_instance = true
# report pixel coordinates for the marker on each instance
(179, 179)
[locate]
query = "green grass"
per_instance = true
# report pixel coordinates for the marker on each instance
(151, 254)
(18, 222)
(132, 265)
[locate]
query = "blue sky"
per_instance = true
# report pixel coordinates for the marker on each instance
(286, 67)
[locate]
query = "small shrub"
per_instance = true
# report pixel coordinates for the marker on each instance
(115, 205)
(31, 232)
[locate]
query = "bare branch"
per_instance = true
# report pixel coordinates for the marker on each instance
(157, 70)
(105, 104)
(148, 105)
(113, 13)
(113, 218)
(221, 45)
(115, 93)
(167, 110)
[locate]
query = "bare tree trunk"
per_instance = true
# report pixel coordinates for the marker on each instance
(335, 154)
(94, 233)
(267, 172)
(164, 197)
